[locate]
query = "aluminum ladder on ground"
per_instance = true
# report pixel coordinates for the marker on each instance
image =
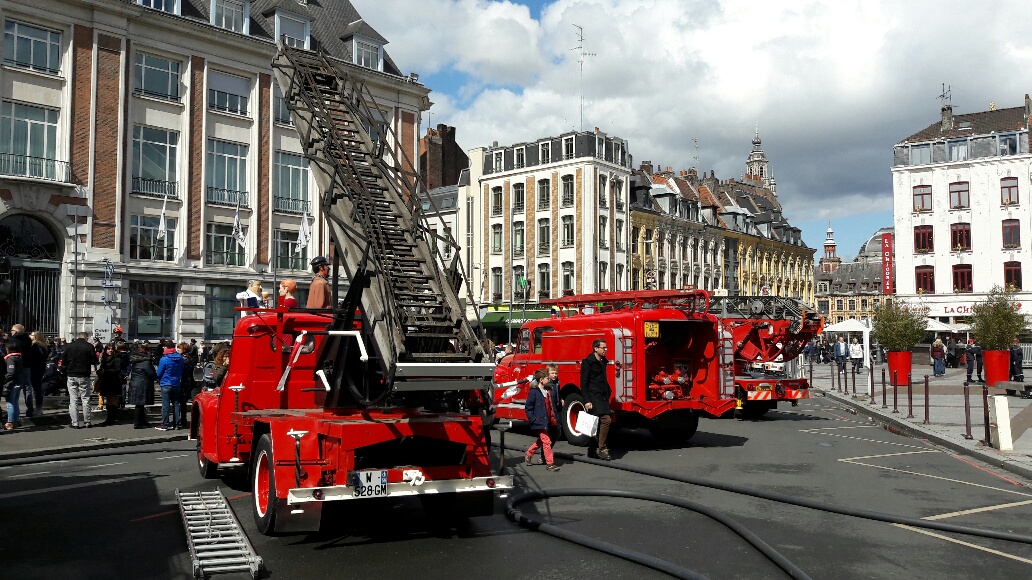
(217, 543)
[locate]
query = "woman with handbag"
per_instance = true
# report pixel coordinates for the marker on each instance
(109, 382)
(541, 415)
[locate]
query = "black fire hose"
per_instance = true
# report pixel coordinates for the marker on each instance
(655, 563)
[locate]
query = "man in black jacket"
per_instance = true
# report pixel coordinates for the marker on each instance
(79, 362)
(597, 393)
(32, 361)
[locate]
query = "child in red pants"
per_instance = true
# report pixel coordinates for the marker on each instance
(540, 414)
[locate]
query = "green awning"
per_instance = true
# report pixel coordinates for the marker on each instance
(496, 319)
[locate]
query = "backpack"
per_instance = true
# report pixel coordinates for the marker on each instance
(208, 376)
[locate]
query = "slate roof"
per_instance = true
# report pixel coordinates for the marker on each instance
(332, 22)
(981, 123)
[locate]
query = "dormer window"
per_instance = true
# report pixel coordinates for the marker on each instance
(231, 14)
(368, 54)
(292, 30)
(170, 6)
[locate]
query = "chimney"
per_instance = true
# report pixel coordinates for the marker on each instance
(646, 167)
(947, 118)
(1028, 106)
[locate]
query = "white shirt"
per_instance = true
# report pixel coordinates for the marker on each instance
(856, 351)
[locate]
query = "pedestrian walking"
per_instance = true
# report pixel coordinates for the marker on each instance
(17, 380)
(938, 354)
(319, 293)
(541, 414)
(141, 381)
(170, 376)
(973, 354)
(32, 361)
(841, 353)
(1017, 358)
(596, 389)
(856, 355)
(79, 362)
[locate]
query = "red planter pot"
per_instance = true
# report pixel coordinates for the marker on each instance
(996, 366)
(899, 367)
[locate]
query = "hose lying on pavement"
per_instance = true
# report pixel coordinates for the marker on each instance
(748, 491)
(68, 456)
(652, 562)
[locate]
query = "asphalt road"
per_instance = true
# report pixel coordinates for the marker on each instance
(115, 516)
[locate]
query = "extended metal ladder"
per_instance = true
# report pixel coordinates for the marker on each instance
(217, 543)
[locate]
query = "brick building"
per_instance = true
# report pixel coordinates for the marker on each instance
(135, 136)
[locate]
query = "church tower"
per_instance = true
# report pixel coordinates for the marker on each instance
(830, 261)
(756, 165)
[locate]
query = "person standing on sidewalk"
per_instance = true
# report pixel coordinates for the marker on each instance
(141, 381)
(79, 362)
(17, 380)
(856, 355)
(541, 415)
(841, 354)
(974, 359)
(170, 376)
(1017, 358)
(596, 389)
(109, 381)
(938, 354)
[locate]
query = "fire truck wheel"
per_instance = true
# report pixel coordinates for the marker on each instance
(568, 419)
(263, 487)
(208, 469)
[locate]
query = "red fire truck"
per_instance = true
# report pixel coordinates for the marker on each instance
(668, 365)
(768, 332)
(326, 405)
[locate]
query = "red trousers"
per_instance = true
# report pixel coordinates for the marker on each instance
(545, 444)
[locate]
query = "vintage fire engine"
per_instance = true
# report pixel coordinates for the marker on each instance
(362, 401)
(767, 333)
(667, 361)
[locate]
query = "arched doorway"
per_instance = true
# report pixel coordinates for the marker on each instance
(35, 255)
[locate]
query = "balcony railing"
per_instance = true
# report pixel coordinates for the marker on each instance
(517, 251)
(227, 102)
(230, 197)
(602, 201)
(496, 209)
(37, 167)
(619, 205)
(165, 96)
(567, 200)
(291, 205)
(544, 249)
(603, 244)
(545, 203)
(517, 207)
(156, 187)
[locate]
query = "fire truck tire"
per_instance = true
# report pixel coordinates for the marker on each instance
(263, 487)
(676, 435)
(208, 469)
(568, 420)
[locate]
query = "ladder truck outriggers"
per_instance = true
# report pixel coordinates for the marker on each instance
(364, 400)
(669, 364)
(767, 333)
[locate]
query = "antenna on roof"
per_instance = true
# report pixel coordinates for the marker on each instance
(945, 96)
(696, 158)
(580, 50)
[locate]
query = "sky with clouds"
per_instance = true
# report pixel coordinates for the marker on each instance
(831, 85)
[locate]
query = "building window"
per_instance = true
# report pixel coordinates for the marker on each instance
(618, 154)
(567, 240)
(545, 152)
(923, 240)
(220, 316)
(519, 198)
(227, 173)
(292, 30)
(603, 232)
(518, 238)
(661, 244)
(635, 232)
(619, 235)
(567, 147)
(567, 277)
(619, 277)
(228, 93)
(960, 197)
(603, 195)
(230, 14)
(957, 150)
(156, 77)
(839, 304)
(648, 242)
(567, 190)
(544, 194)
(852, 304)
(496, 283)
(1012, 275)
(960, 237)
(290, 183)
(170, 6)
(863, 304)
(962, 278)
(151, 307)
(544, 280)
(521, 158)
(498, 162)
(496, 239)
(28, 142)
(285, 251)
(920, 154)
(923, 198)
(223, 249)
(31, 47)
(281, 113)
(154, 162)
(496, 200)
(544, 236)
(519, 283)
(924, 279)
(367, 55)
(1011, 234)
(144, 243)
(1009, 191)
(1008, 144)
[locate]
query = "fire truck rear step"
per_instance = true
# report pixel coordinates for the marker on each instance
(217, 543)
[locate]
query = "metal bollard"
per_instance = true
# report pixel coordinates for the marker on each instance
(926, 400)
(811, 372)
(895, 391)
(985, 414)
(854, 383)
(967, 412)
(870, 384)
(502, 428)
(884, 393)
(910, 395)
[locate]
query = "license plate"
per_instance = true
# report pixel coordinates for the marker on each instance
(371, 483)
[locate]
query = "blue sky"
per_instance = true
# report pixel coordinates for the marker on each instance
(832, 86)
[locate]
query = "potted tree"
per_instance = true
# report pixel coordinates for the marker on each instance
(996, 322)
(898, 327)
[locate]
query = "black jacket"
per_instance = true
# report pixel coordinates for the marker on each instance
(141, 378)
(595, 385)
(79, 359)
